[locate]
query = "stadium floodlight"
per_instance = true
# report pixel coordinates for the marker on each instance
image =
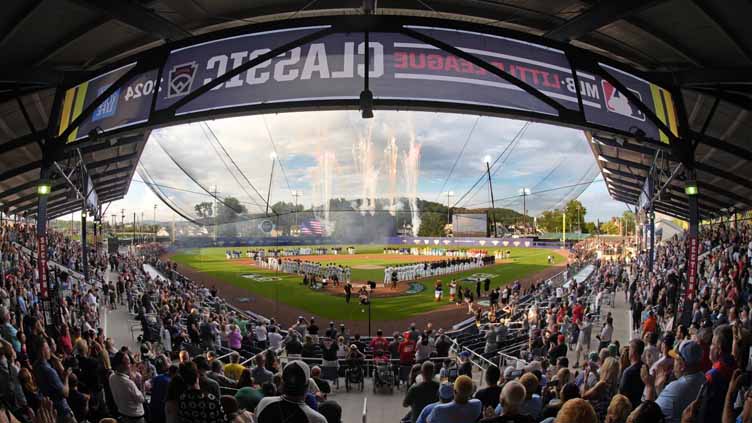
(690, 188)
(44, 188)
(486, 159)
(525, 191)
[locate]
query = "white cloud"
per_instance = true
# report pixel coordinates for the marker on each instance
(545, 157)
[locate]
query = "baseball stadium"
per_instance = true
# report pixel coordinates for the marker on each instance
(403, 211)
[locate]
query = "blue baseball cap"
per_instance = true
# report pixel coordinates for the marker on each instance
(446, 391)
(689, 351)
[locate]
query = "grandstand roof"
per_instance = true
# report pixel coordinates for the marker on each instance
(704, 47)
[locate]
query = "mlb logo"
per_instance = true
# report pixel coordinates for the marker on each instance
(495, 242)
(481, 242)
(181, 79)
(108, 107)
(617, 102)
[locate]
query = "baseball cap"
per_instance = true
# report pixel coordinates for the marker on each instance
(465, 354)
(613, 350)
(295, 377)
(593, 356)
(689, 351)
(508, 372)
(446, 391)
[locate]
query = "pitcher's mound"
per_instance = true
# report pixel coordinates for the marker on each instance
(368, 267)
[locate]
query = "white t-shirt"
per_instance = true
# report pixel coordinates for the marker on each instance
(275, 340)
(260, 333)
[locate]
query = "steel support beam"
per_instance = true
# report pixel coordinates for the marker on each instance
(619, 161)
(21, 142)
(738, 40)
(19, 20)
(708, 77)
(599, 15)
(20, 170)
(134, 15)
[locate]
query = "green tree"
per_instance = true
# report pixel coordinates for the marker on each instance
(610, 228)
(628, 220)
(229, 213)
(575, 212)
(432, 224)
(550, 221)
(204, 209)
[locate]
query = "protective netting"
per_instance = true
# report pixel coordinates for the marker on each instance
(332, 173)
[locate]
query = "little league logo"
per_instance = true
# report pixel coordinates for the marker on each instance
(261, 278)
(181, 79)
(475, 277)
(617, 102)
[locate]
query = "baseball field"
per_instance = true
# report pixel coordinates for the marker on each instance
(240, 275)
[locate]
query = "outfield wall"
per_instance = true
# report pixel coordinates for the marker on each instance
(463, 241)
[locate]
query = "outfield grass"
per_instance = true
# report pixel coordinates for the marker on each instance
(288, 289)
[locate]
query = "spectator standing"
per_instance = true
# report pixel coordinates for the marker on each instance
(600, 395)
(259, 373)
(462, 408)
(446, 394)
(719, 376)
(233, 369)
(194, 404)
(512, 397)
(489, 396)
(678, 394)
(423, 393)
(207, 384)
(290, 406)
(631, 384)
(159, 386)
(128, 398)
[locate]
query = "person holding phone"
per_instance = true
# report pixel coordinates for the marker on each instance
(678, 394)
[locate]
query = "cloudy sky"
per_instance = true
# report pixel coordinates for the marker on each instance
(328, 154)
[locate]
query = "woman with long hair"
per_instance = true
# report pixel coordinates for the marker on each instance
(30, 389)
(600, 395)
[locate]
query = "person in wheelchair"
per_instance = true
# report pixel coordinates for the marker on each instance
(383, 374)
(355, 359)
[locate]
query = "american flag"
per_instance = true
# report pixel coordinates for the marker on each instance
(312, 227)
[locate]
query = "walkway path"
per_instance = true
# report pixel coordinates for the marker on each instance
(117, 323)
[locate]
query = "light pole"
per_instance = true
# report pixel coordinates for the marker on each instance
(487, 160)
(524, 192)
(155, 223)
(449, 194)
(272, 156)
(296, 194)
